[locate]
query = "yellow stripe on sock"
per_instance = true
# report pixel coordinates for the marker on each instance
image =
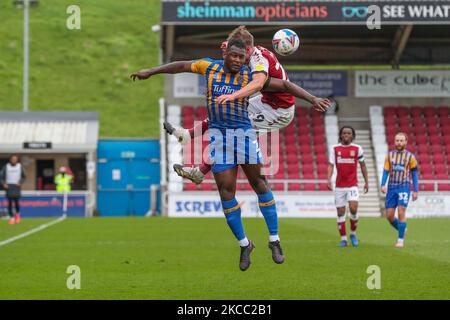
(266, 204)
(232, 209)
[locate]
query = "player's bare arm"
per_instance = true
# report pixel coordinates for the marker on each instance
(329, 175)
(365, 175)
(279, 85)
(256, 85)
(173, 67)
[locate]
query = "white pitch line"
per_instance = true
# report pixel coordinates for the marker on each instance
(37, 229)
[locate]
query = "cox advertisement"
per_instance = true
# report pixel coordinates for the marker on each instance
(288, 206)
(429, 206)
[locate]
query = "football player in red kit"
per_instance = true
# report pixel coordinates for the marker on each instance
(345, 156)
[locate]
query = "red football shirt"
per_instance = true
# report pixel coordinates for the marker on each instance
(264, 60)
(346, 158)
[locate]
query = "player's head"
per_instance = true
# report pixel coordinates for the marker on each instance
(242, 33)
(401, 139)
(14, 159)
(346, 135)
(235, 55)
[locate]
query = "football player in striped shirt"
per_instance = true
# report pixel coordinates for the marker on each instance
(400, 165)
(233, 142)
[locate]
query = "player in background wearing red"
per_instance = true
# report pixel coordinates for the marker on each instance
(267, 111)
(346, 156)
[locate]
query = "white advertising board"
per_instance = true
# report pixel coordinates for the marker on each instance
(402, 83)
(429, 205)
(292, 206)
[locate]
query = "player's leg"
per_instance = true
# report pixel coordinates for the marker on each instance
(10, 211)
(340, 198)
(195, 173)
(391, 204)
(226, 184)
(403, 201)
(353, 201)
(17, 215)
(267, 206)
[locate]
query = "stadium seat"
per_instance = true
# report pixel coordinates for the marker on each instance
(443, 111)
(294, 175)
(309, 187)
(307, 159)
(322, 158)
(427, 176)
(292, 158)
(442, 176)
(444, 186)
(439, 158)
(294, 187)
(187, 111)
(322, 187)
(321, 149)
(426, 167)
(435, 139)
(438, 168)
(290, 140)
(305, 149)
(277, 186)
(190, 186)
(301, 111)
(437, 148)
(309, 175)
(304, 139)
(208, 186)
(416, 111)
(426, 187)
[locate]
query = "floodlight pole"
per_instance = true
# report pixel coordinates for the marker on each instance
(26, 6)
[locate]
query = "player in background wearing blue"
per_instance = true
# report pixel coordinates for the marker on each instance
(398, 166)
(233, 141)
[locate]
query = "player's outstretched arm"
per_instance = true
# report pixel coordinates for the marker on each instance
(279, 85)
(256, 85)
(173, 67)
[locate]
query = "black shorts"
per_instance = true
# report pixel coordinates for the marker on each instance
(13, 191)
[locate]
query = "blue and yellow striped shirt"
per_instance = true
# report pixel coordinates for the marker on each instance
(400, 165)
(233, 114)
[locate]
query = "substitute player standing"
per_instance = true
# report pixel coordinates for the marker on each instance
(346, 156)
(398, 166)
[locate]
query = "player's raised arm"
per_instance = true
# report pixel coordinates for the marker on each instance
(173, 67)
(277, 85)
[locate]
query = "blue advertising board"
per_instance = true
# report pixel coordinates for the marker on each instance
(321, 83)
(48, 205)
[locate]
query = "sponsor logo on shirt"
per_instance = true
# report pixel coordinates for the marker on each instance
(345, 160)
(398, 167)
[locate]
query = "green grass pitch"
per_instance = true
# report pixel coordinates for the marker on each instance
(162, 258)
